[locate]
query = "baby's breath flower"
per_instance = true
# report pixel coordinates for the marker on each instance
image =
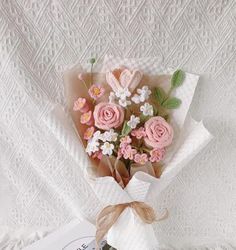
(133, 122)
(147, 109)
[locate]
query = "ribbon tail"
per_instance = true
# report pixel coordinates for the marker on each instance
(106, 219)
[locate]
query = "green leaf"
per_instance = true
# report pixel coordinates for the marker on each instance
(171, 103)
(177, 78)
(126, 129)
(160, 94)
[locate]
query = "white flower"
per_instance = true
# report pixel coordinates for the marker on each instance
(123, 93)
(110, 135)
(97, 136)
(124, 102)
(92, 146)
(144, 93)
(102, 137)
(133, 122)
(112, 97)
(136, 99)
(107, 148)
(147, 109)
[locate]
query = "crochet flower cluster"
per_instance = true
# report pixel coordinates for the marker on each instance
(131, 123)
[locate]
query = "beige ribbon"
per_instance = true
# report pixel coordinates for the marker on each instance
(109, 215)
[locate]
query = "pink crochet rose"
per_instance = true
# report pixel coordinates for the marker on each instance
(159, 132)
(108, 115)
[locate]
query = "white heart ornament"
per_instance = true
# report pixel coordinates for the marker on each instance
(113, 82)
(130, 79)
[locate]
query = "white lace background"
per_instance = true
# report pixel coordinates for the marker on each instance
(41, 187)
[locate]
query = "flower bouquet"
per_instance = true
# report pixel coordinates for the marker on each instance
(135, 136)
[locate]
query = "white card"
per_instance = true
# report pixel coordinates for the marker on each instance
(73, 236)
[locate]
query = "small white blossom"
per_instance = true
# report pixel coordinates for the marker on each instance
(144, 93)
(142, 98)
(110, 135)
(136, 99)
(133, 122)
(124, 102)
(107, 148)
(112, 97)
(102, 137)
(123, 93)
(97, 136)
(92, 146)
(147, 109)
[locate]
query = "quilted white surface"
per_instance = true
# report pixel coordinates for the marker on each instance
(41, 185)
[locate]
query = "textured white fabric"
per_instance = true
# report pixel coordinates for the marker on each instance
(38, 39)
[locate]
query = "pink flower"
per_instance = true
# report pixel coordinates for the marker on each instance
(159, 132)
(157, 154)
(81, 105)
(141, 158)
(138, 133)
(129, 152)
(96, 91)
(87, 118)
(108, 115)
(124, 141)
(81, 77)
(97, 154)
(89, 133)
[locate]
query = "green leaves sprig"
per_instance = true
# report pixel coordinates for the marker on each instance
(164, 99)
(171, 103)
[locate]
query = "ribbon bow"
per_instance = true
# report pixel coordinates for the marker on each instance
(109, 215)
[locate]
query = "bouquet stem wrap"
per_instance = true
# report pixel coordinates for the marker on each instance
(109, 215)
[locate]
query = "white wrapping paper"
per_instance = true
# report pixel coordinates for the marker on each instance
(129, 232)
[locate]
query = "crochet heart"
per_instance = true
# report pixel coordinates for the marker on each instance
(130, 79)
(126, 79)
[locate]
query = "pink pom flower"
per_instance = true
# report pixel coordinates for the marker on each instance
(81, 77)
(87, 118)
(89, 133)
(159, 132)
(139, 133)
(124, 141)
(129, 152)
(96, 91)
(108, 115)
(81, 105)
(141, 158)
(157, 154)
